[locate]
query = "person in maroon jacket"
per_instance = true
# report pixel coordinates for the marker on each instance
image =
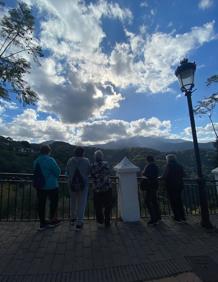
(173, 177)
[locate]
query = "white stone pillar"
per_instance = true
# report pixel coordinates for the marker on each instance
(215, 172)
(128, 202)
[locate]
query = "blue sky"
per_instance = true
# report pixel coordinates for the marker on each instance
(108, 70)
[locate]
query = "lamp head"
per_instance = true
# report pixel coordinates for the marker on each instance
(185, 74)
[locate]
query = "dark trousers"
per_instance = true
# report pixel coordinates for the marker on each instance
(42, 199)
(152, 204)
(175, 198)
(103, 201)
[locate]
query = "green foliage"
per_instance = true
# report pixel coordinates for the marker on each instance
(19, 157)
(16, 35)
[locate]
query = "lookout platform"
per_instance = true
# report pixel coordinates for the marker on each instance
(124, 252)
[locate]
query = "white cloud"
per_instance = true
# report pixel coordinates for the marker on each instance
(73, 80)
(204, 133)
(31, 127)
(205, 4)
(6, 105)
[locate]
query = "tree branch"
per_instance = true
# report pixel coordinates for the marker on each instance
(8, 44)
(17, 53)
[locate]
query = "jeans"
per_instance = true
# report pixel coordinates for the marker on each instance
(78, 201)
(103, 201)
(42, 199)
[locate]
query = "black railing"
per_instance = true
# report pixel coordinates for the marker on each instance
(18, 201)
(190, 197)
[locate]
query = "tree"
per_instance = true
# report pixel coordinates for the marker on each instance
(206, 107)
(17, 40)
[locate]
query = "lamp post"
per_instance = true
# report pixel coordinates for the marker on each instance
(185, 74)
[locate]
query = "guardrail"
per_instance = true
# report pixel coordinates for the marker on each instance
(18, 201)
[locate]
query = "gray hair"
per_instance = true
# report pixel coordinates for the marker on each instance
(170, 157)
(98, 155)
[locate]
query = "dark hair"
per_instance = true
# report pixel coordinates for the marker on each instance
(45, 149)
(78, 152)
(150, 158)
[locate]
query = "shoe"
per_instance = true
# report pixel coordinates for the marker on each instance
(79, 226)
(178, 221)
(43, 226)
(54, 223)
(151, 222)
(107, 225)
(72, 221)
(100, 225)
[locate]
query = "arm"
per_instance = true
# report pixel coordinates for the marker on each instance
(54, 167)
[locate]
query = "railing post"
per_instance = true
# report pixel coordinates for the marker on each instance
(128, 202)
(215, 172)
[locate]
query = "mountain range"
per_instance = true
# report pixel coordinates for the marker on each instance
(155, 143)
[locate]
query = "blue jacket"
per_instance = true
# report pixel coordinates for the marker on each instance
(50, 170)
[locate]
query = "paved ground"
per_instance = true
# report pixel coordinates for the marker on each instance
(124, 252)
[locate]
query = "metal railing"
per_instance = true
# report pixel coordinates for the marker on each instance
(190, 196)
(18, 200)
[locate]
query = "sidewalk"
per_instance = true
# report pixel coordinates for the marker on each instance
(124, 252)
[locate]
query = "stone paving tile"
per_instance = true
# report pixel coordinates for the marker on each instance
(23, 249)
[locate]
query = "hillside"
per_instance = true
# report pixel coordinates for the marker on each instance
(18, 156)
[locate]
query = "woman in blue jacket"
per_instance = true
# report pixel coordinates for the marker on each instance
(50, 173)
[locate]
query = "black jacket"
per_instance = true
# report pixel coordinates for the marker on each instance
(173, 175)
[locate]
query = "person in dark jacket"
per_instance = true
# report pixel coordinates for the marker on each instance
(150, 172)
(51, 172)
(102, 189)
(173, 177)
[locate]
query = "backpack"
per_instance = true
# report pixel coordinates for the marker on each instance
(38, 177)
(77, 182)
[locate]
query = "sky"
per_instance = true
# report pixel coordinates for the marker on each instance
(108, 70)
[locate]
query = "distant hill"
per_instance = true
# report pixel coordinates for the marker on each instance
(18, 156)
(156, 143)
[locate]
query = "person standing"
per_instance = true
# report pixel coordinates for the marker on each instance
(173, 177)
(77, 170)
(47, 179)
(150, 172)
(102, 189)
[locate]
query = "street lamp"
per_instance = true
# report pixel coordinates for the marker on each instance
(185, 74)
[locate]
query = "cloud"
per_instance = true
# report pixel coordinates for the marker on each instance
(205, 4)
(110, 130)
(76, 74)
(28, 126)
(204, 133)
(6, 105)
(31, 127)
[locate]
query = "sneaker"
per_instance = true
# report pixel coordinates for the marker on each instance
(151, 222)
(178, 221)
(54, 223)
(100, 225)
(43, 226)
(107, 224)
(72, 221)
(79, 226)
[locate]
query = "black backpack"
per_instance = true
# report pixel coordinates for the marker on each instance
(38, 178)
(77, 182)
